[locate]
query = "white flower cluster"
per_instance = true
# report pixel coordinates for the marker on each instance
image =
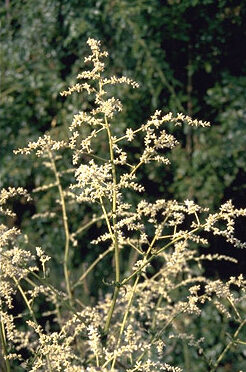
(158, 288)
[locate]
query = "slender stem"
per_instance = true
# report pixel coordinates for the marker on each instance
(234, 308)
(125, 136)
(26, 300)
(135, 248)
(228, 346)
(115, 240)
(157, 335)
(85, 226)
(107, 220)
(65, 224)
(136, 168)
(111, 310)
(4, 346)
(31, 313)
(157, 253)
(123, 324)
(63, 301)
(131, 298)
(114, 202)
(57, 293)
(99, 258)
(94, 156)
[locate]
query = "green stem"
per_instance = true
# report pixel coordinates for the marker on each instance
(111, 310)
(31, 313)
(25, 300)
(136, 168)
(115, 240)
(94, 156)
(228, 346)
(99, 258)
(126, 280)
(4, 346)
(66, 229)
(131, 299)
(123, 324)
(86, 226)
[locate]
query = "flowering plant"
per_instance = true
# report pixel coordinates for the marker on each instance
(150, 307)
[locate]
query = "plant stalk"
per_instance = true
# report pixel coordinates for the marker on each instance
(4, 346)
(66, 228)
(115, 241)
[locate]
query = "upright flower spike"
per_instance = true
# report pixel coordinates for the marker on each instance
(155, 293)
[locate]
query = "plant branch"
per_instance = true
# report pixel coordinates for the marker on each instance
(65, 225)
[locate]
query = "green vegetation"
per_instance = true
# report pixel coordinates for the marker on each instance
(187, 56)
(150, 311)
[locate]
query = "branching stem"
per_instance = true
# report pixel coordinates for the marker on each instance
(114, 219)
(228, 346)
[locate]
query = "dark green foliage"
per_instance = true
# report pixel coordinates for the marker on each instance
(188, 56)
(178, 51)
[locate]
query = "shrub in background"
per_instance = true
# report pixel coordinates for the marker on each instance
(152, 311)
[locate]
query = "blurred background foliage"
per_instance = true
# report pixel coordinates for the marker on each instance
(187, 55)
